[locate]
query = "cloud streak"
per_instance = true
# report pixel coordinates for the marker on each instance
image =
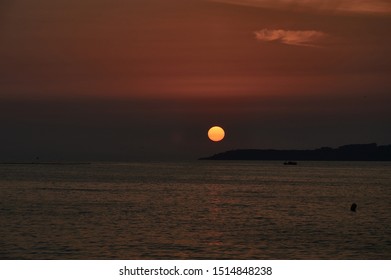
(351, 6)
(305, 38)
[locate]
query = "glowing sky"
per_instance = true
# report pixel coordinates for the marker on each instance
(100, 79)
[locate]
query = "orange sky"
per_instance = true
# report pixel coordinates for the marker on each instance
(238, 63)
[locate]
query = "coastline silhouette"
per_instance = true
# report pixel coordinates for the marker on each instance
(352, 152)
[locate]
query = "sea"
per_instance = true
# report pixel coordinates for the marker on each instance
(240, 210)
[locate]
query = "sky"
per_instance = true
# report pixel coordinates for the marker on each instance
(146, 79)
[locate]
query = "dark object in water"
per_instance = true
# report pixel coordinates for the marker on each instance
(290, 163)
(353, 207)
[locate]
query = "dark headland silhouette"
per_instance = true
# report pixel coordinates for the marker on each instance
(353, 152)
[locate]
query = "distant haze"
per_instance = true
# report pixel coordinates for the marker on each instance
(146, 79)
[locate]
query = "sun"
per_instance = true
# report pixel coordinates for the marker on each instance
(216, 133)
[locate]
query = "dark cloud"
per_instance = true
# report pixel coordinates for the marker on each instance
(351, 6)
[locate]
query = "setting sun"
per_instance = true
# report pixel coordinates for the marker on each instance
(216, 133)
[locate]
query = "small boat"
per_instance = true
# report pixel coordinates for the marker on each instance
(290, 163)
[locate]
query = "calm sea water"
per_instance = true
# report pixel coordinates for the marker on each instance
(196, 210)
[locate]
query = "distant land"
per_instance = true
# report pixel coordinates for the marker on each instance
(352, 152)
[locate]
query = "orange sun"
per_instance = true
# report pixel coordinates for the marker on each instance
(216, 133)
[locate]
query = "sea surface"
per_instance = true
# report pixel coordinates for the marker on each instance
(196, 210)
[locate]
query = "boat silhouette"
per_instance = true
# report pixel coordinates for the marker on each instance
(290, 163)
